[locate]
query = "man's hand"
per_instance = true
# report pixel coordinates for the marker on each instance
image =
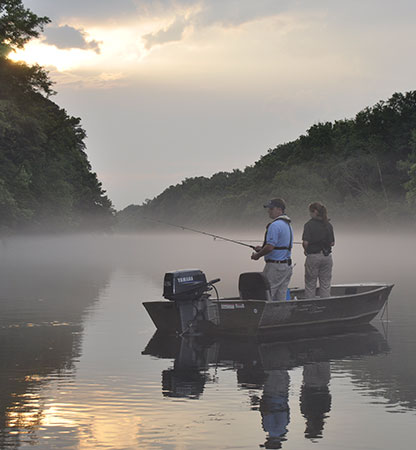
(262, 251)
(258, 248)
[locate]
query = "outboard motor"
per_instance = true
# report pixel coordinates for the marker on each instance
(189, 290)
(184, 285)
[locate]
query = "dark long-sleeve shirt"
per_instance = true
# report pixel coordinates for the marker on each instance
(319, 235)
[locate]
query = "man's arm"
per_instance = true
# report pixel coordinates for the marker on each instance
(262, 252)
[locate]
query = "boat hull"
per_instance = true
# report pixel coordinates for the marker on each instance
(350, 305)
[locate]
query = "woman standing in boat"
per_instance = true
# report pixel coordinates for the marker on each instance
(318, 240)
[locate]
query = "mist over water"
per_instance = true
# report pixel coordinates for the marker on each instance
(79, 367)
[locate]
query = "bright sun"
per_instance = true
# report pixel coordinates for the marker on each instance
(36, 52)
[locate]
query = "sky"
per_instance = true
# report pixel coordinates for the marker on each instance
(172, 89)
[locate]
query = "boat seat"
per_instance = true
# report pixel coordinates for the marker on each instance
(254, 286)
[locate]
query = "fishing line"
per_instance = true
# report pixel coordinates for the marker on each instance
(215, 236)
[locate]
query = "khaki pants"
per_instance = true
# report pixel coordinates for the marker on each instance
(279, 277)
(318, 266)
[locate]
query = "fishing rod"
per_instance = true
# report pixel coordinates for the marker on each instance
(215, 236)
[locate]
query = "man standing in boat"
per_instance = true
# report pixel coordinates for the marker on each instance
(277, 249)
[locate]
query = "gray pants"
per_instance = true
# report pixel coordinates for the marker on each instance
(279, 277)
(318, 266)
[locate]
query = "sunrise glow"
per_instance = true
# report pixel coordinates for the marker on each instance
(47, 55)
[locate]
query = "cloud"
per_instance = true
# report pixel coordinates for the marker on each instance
(238, 12)
(171, 34)
(221, 12)
(205, 13)
(225, 12)
(65, 37)
(77, 15)
(85, 81)
(83, 10)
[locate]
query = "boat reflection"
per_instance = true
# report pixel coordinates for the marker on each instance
(266, 366)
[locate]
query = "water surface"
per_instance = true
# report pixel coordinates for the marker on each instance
(81, 367)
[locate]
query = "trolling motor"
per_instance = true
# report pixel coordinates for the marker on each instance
(189, 290)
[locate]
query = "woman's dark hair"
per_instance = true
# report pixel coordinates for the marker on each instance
(321, 209)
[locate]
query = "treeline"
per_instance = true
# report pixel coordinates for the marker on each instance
(46, 181)
(363, 168)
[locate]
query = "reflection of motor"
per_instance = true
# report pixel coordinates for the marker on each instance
(186, 383)
(189, 374)
(189, 290)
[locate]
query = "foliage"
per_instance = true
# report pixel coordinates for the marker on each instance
(409, 166)
(46, 181)
(363, 167)
(18, 25)
(45, 176)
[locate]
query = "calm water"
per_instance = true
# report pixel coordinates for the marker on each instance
(81, 368)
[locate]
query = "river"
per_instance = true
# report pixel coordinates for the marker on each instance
(81, 368)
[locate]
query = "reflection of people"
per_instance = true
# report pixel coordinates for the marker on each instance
(276, 249)
(315, 399)
(318, 240)
(274, 407)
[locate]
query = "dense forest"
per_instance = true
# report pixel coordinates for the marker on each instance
(362, 168)
(46, 181)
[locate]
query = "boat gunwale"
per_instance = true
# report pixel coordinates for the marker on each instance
(378, 287)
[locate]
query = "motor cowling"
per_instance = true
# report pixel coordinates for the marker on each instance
(184, 285)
